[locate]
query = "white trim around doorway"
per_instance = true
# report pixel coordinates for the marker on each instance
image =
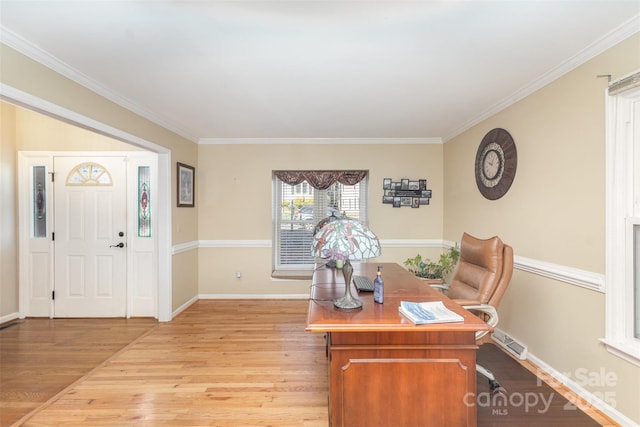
(163, 215)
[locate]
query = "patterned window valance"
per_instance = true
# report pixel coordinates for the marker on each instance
(321, 180)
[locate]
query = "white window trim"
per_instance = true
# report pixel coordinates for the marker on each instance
(620, 217)
(303, 270)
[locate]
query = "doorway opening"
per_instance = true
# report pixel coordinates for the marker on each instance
(163, 255)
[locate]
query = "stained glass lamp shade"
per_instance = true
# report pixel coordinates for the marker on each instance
(345, 239)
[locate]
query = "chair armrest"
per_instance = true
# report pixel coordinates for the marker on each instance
(490, 311)
(442, 287)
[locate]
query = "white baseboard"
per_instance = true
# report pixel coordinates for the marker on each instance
(184, 306)
(583, 394)
(254, 296)
(9, 317)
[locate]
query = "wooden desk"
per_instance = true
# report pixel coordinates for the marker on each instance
(386, 371)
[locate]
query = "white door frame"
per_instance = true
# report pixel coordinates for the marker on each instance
(163, 214)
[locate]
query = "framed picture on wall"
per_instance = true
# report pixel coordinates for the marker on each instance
(186, 185)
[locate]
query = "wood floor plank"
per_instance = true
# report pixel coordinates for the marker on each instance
(40, 357)
(220, 363)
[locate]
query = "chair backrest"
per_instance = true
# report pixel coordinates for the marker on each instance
(484, 270)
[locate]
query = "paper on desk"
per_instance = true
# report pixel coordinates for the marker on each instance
(428, 312)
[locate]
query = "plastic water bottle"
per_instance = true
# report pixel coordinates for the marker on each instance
(378, 287)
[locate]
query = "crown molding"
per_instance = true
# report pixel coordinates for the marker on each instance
(14, 41)
(317, 141)
(624, 31)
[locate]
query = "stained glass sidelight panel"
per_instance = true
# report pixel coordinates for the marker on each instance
(144, 201)
(39, 202)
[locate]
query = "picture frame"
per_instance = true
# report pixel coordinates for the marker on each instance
(405, 192)
(186, 185)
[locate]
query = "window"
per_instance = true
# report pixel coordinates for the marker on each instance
(623, 219)
(299, 207)
(89, 174)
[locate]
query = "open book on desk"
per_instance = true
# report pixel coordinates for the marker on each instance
(421, 313)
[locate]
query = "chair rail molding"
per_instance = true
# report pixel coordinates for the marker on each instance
(561, 273)
(184, 247)
(235, 243)
(573, 276)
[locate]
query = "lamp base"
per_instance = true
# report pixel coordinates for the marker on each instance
(347, 302)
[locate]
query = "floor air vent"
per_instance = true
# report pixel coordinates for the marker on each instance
(510, 344)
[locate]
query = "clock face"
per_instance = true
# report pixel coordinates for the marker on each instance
(496, 162)
(492, 164)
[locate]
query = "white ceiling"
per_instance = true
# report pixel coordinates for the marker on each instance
(315, 69)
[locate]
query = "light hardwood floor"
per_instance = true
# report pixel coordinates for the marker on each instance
(222, 363)
(40, 357)
(219, 363)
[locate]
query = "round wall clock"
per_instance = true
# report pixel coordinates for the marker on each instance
(496, 163)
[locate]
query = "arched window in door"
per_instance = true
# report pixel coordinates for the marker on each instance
(89, 173)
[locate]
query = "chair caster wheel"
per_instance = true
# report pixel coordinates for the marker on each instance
(495, 387)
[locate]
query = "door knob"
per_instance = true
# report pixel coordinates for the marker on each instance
(119, 245)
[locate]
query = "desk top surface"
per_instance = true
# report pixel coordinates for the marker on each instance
(399, 285)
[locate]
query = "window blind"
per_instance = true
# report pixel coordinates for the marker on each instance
(297, 210)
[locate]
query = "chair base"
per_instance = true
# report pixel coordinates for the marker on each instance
(493, 383)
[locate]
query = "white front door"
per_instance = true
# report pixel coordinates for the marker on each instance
(90, 237)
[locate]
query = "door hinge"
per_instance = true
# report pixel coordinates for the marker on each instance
(53, 236)
(53, 295)
(53, 176)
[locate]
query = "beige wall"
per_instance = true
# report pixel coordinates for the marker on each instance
(8, 213)
(554, 212)
(37, 132)
(234, 193)
(23, 74)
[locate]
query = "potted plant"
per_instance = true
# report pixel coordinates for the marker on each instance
(427, 269)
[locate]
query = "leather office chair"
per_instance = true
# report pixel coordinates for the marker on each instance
(483, 273)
